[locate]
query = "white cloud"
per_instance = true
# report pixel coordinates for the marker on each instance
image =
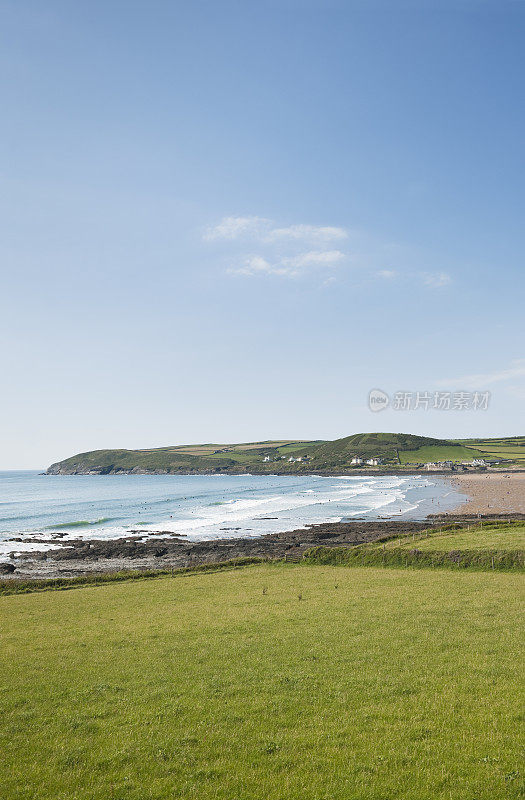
(232, 228)
(387, 274)
(260, 246)
(284, 251)
(253, 265)
(435, 280)
(290, 267)
(307, 233)
(257, 265)
(314, 258)
(264, 230)
(484, 379)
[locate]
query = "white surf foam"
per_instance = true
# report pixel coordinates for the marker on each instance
(254, 509)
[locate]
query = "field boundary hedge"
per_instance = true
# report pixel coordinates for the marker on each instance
(502, 560)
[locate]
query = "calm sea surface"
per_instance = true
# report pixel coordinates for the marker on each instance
(201, 507)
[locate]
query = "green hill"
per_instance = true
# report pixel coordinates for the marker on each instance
(396, 450)
(180, 459)
(370, 445)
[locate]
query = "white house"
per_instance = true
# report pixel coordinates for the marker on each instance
(438, 465)
(374, 462)
(357, 461)
(266, 458)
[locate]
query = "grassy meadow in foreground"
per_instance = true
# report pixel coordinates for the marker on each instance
(274, 681)
(485, 546)
(496, 535)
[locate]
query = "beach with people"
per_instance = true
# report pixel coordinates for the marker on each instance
(492, 492)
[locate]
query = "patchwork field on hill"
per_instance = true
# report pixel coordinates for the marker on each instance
(512, 448)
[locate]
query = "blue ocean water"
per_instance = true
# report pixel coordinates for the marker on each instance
(203, 506)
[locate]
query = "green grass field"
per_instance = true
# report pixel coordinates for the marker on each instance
(512, 448)
(273, 681)
(484, 546)
(439, 453)
(477, 537)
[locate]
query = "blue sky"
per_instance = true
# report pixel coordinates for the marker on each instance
(229, 221)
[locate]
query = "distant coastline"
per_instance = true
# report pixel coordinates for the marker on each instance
(329, 473)
(360, 454)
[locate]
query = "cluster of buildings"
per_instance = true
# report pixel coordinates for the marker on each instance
(290, 460)
(433, 466)
(429, 466)
(356, 461)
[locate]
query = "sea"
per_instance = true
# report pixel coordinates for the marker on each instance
(54, 508)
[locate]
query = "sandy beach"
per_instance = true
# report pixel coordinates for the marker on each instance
(492, 493)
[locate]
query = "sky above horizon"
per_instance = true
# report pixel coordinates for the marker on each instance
(230, 221)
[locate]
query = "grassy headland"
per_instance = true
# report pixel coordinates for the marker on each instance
(396, 451)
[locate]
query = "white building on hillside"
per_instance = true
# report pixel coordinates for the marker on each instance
(356, 461)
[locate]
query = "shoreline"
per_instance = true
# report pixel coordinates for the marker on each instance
(84, 557)
(96, 557)
(332, 472)
(489, 495)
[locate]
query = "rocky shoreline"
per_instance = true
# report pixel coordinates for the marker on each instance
(170, 551)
